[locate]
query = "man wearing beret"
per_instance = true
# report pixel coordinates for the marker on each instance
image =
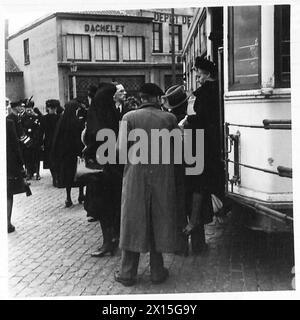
(148, 214)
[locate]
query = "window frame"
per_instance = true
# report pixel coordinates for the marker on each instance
(143, 49)
(26, 51)
(117, 48)
(231, 85)
(89, 46)
(160, 50)
(179, 37)
(279, 83)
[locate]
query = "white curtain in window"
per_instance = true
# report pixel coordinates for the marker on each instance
(126, 48)
(70, 47)
(85, 47)
(98, 48)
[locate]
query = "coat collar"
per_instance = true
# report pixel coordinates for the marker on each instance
(150, 104)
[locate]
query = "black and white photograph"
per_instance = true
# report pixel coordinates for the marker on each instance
(149, 149)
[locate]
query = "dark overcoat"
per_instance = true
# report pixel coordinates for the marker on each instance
(14, 163)
(48, 125)
(148, 193)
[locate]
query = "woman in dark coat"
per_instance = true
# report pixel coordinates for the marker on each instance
(67, 146)
(48, 125)
(100, 202)
(15, 170)
(200, 187)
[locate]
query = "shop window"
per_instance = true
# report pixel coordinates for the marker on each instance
(244, 47)
(157, 37)
(106, 48)
(133, 49)
(78, 47)
(282, 47)
(26, 51)
(177, 38)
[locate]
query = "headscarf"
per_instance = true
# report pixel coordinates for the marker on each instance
(67, 140)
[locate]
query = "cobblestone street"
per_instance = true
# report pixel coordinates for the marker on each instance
(49, 255)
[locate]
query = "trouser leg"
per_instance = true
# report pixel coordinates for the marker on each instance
(9, 208)
(156, 258)
(129, 264)
(198, 238)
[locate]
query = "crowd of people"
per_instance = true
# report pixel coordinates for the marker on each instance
(140, 207)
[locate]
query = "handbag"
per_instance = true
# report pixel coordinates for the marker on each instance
(216, 203)
(84, 169)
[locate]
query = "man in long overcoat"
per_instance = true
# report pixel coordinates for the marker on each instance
(148, 210)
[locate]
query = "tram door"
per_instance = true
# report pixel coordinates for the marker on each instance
(217, 54)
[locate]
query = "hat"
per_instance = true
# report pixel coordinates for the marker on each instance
(204, 64)
(175, 96)
(15, 104)
(29, 104)
(151, 89)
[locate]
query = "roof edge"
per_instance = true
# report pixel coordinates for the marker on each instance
(81, 16)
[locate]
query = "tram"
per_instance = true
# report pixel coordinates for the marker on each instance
(251, 46)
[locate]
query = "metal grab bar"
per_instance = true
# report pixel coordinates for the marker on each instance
(252, 167)
(267, 122)
(277, 124)
(285, 172)
(266, 126)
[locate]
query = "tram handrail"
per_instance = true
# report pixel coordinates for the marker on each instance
(281, 171)
(285, 171)
(267, 124)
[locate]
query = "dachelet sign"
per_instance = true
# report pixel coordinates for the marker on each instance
(104, 28)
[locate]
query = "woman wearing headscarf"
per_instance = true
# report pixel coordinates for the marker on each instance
(101, 197)
(67, 146)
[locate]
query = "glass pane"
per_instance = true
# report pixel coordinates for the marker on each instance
(98, 48)
(125, 48)
(105, 48)
(246, 46)
(70, 47)
(139, 48)
(86, 48)
(113, 48)
(132, 48)
(77, 43)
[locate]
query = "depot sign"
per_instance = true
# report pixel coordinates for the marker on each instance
(167, 17)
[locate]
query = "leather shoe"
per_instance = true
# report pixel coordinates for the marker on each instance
(163, 278)
(11, 228)
(124, 282)
(107, 248)
(68, 203)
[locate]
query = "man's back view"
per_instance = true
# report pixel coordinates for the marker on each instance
(148, 216)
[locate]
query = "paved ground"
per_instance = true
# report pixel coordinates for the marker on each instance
(49, 255)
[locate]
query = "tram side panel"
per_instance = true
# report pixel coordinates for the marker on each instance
(261, 149)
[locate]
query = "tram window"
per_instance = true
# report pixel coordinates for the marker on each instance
(282, 46)
(157, 37)
(244, 47)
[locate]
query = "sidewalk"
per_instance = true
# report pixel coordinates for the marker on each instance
(49, 255)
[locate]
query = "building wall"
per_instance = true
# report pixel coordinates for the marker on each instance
(14, 87)
(41, 74)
